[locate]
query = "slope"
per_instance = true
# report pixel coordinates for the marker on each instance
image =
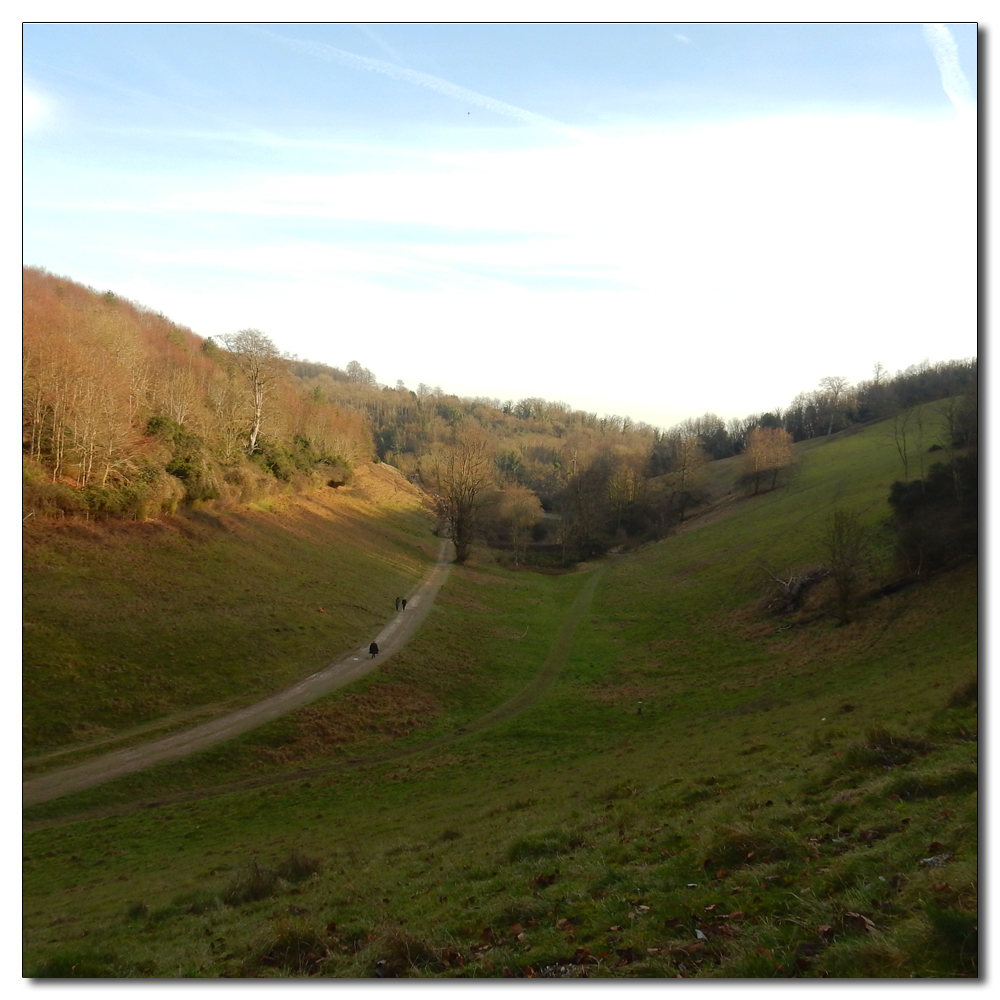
(794, 798)
(136, 627)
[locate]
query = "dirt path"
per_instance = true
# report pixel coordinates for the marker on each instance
(530, 693)
(349, 668)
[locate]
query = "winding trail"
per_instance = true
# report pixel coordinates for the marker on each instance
(349, 668)
(527, 696)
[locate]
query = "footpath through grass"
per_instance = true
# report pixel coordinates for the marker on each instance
(795, 798)
(134, 628)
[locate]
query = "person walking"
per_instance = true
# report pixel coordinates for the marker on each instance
(373, 649)
(404, 603)
(397, 603)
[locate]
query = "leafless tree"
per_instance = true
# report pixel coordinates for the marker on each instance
(833, 386)
(520, 509)
(259, 363)
(464, 477)
(845, 543)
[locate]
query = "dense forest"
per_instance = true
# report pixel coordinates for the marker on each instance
(126, 414)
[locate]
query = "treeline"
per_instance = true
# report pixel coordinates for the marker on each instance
(128, 414)
(601, 481)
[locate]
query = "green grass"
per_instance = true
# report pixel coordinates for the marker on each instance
(140, 626)
(801, 797)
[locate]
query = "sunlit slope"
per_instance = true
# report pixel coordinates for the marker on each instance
(128, 624)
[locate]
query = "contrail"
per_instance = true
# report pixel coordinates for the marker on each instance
(956, 84)
(330, 54)
(381, 43)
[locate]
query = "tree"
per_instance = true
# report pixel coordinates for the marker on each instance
(357, 373)
(833, 387)
(684, 478)
(845, 543)
(768, 451)
(259, 363)
(520, 509)
(464, 476)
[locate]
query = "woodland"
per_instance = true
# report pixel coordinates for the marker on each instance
(128, 415)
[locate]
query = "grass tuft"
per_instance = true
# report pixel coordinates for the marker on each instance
(295, 948)
(251, 884)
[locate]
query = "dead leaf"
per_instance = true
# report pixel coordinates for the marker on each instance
(861, 922)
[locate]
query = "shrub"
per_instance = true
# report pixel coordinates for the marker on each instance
(41, 495)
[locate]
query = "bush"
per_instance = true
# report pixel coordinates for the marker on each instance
(41, 495)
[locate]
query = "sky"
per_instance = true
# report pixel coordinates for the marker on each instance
(651, 219)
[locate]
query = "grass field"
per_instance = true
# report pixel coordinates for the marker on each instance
(795, 798)
(140, 627)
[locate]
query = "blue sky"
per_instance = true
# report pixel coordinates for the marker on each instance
(652, 219)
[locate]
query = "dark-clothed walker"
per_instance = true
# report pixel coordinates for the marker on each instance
(373, 649)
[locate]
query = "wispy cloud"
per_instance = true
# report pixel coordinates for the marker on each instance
(446, 88)
(956, 84)
(382, 43)
(682, 38)
(35, 109)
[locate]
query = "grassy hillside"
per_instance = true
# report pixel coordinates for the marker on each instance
(795, 798)
(130, 626)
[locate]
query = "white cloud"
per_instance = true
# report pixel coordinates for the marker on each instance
(805, 242)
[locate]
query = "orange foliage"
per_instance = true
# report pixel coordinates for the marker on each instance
(97, 368)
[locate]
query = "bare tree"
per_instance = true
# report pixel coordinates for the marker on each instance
(357, 373)
(520, 509)
(260, 365)
(833, 387)
(464, 476)
(899, 431)
(768, 451)
(684, 480)
(845, 542)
